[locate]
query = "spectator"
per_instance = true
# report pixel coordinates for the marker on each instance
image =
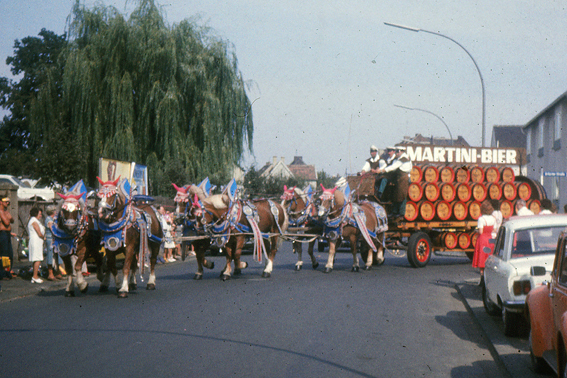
(521, 208)
(169, 244)
(485, 226)
(497, 214)
(50, 212)
(547, 206)
(36, 231)
(6, 234)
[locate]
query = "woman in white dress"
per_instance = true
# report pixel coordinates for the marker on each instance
(36, 231)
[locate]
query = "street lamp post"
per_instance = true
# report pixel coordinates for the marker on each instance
(469, 54)
(433, 114)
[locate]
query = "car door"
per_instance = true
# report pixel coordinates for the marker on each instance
(558, 289)
(494, 267)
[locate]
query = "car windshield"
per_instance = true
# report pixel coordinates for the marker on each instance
(535, 241)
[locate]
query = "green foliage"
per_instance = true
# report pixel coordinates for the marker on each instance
(257, 186)
(326, 180)
(137, 89)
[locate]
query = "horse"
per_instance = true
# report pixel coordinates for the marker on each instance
(351, 221)
(74, 234)
(132, 229)
(183, 202)
(228, 220)
(300, 210)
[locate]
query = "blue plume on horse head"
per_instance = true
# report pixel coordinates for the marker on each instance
(230, 189)
(125, 188)
(308, 191)
(79, 188)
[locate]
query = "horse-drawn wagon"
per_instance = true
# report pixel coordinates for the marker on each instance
(443, 206)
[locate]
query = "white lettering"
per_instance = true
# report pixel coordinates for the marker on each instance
(486, 156)
(511, 156)
(439, 154)
(466, 156)
(414, 155)
(427, 155)
(450, 151)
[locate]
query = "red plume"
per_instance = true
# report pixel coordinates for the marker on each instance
(113, 183)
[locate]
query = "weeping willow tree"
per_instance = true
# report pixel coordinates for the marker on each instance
(136, 89)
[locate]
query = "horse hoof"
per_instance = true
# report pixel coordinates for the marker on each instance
(198, 277)
(69, 294)
(328, 270)
(237, 272)
(298, 268)
(315, 266)
(103, 289)
(123, 294)
(245, 265)
(151, 286)
(85, 289)
(132, 287)
(368, 268)
(225, 277)
(354, 269)
(266, 275)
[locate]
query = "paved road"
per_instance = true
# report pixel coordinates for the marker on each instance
(392, 321)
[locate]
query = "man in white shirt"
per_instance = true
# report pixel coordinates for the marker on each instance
(373, 163)
(398, 173)
(521, 208)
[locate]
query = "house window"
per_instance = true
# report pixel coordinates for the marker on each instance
(541, 125)
(558, 125)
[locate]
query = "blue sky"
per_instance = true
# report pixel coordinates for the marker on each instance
(325, 75)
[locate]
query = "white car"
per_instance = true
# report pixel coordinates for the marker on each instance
(523, 258)
(26, 192)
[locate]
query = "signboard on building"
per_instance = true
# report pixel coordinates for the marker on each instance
(554, 174)
(430, 154)
(137, 174)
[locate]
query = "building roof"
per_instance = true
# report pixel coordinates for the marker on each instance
(508, 136)
(437, 141)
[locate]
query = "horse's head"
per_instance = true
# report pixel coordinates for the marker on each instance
(112, 201)
(71, 213)
(329, 202)
(294, 201)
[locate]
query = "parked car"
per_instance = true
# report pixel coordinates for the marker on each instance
(25, 191)
(546, 310)
(522, 259)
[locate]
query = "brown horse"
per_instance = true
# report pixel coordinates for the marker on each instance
(346, 220)
(75, 237)
(300, 211)
(132, 229)
(231, 221)
(202, 242)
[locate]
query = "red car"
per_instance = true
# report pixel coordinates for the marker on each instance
(546, 309)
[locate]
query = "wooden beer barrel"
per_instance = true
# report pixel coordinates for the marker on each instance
(416, 175)
(492, 174)
(462, 174)
(494, 191)
(507, 209)
(524, 191)
(412, 211)
(415, 191)
(443, 210)
(450, 240)
(447, 174)
(477, 174)
(460, 210)
(534, 205)
(431, 191)
(448, 191)
(463, 240)
(464, 192)
(430, 173)
(474, 210)
(479, 191)
(474, 236)
(426, 210)
(509, 191)
(507, 174)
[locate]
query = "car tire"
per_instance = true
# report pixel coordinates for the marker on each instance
(538, 363)
(491, 308)
(511, 323)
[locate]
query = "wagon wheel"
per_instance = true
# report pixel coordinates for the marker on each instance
(419, 249)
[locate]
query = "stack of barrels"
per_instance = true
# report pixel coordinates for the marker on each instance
(454, 194)
(449, 193)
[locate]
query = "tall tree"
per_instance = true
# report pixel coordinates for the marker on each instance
(140, 90)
